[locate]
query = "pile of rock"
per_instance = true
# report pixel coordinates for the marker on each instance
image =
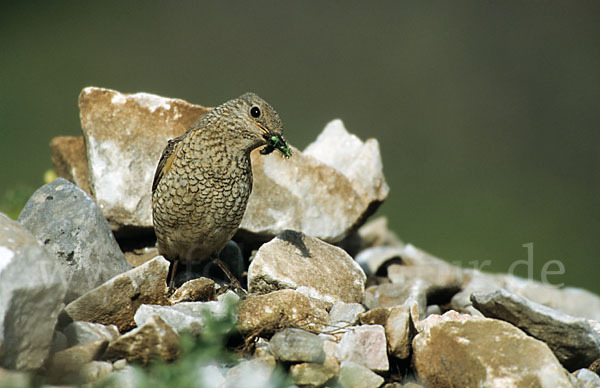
(331, 301)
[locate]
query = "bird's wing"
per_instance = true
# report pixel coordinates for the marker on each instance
(166, 160)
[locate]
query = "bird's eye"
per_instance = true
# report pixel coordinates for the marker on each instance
(255, 112)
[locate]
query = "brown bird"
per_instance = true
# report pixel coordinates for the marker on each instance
(204, 178)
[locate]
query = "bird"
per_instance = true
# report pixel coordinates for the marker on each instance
(203, 179)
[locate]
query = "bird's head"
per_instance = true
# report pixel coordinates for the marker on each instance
(262, 125)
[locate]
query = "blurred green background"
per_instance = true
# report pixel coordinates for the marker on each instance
(487, 113)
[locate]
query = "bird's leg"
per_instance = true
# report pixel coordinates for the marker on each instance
(172, 275)
(232, 279)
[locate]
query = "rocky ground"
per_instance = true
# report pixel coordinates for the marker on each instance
(331, 301)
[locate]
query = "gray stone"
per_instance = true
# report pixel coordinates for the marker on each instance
(483, 352)
(296, 345)
(72, 227)
(573, 340)
(31, 295)
(155, 340)
(365, 345)
(313, 375)
(124, 136)
(59, 342)
(95, 370)
(297, 261)
(254, 373)
(398, 325)
(585, 378)
(264, 314)
(127, 377)
(345, 314)
(374, 260)
(186, 316)
(444, 279)
(11, 378)
(115, 302)
(65, 366)
(80, 332)
(304, 192)
(390, 295)
(353, 375)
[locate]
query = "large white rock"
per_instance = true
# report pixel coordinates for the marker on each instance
(325, 192)
(32, 289)
(125, 135)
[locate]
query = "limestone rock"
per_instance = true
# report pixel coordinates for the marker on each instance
(80, 332)
(115, 302)
(305, 192)
(155, 340)
(585, 378)
(255, 373)
(353, 375)
(31, 295)
(573, 340)
(457, 350)
(313, 375)
(66, 364)
(70, 161)
(71, 226)
(345, 314)
(390, 295)
(95, 370)
(201, 289)
(277, 310)
(186, 316)
(309, 265)
(297, 345)
(398, 326)
(375, 260)
(124, 136)
(365, 345)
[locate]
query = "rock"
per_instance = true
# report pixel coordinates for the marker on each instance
(374, 233)
(304, 192)
(139, 256)
(201, 289)
(95, 370)
(297, 345)
(365, 345)
(155, 340)
(71, 226)
(10, 378)
(313, 375)
(440, 280)
(125, 135)
(80, 332)
(573, 340)
(390, 295)
(345, 314)
(586, 379)
(264, 314)
(69, 160)
(120, 364)
(254, 373)
(399, 329)
(186, 316)
(459, 350)
(230, 256)
(309, 265)
(31, 295)
(59, 342)
(572, 301)
(115, 302)
(360, 162)
(374, 261)
(353, 375)
(65, 365)
(128, 377)
(209, 376)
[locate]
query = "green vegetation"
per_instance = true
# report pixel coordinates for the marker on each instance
(13, 200)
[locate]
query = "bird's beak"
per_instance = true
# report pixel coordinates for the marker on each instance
(274, 142)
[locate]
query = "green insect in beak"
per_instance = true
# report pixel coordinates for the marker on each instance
(276, 142)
